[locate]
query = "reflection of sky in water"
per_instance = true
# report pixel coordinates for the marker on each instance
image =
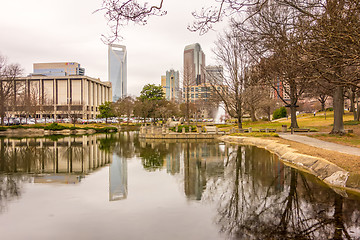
(169, 190)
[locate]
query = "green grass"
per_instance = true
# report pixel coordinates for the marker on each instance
(351, 122)
(255, 134)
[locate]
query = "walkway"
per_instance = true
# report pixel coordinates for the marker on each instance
(321, 144)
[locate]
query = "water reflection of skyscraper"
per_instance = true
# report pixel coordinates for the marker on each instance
(118, 187)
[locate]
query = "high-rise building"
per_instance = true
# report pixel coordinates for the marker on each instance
(194, 64)
(118, 70)
(58, 69)
(170, 85)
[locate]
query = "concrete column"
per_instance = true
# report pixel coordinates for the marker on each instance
(55, 90)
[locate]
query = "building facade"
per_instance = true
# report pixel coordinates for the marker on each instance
(214, 74)
(282, 91)
(59, 96)
(170, 85)
(117, 67)
(58, 69)
(194, 64)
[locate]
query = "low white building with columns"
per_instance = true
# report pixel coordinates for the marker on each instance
(59, 96)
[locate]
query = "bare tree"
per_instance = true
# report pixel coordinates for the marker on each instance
(188, 82)
(124, 106)
(74, 111)
(8, 73)
(335, 51)
(230, 52)
(33, 101)
(118, 13)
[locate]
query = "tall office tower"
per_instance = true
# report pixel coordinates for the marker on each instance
(58, 69)
(214, 74)
(118, 70)
(194, 64)
(170, 85)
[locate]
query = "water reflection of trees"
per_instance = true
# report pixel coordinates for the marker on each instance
(259, 198)
(154, 152)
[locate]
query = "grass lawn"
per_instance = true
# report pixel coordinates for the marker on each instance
(317, 123)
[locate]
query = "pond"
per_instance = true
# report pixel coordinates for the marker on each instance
(118, 186)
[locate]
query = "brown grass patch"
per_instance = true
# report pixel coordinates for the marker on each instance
(348, 162)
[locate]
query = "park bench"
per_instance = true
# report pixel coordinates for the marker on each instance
(301, 129)
(243, 130)
(213, 130)
(267, 130)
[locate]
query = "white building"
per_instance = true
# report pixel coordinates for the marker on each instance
(117, 64)
(59, 96)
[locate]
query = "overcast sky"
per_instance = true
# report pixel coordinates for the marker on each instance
(68, 31)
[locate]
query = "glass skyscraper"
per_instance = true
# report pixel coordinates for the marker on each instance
(118, 70)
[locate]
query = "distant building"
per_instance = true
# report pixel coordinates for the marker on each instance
(194, 64)
(163, 83)
(117, 64)
(58, 69)
(59, 96)
(170, 85)
(214, 74)
(281, 91)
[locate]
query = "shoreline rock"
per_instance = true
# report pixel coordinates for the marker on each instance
(328, 172)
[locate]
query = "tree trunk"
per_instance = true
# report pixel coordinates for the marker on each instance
(338, 104)
(322, 105)
(239, 122)
(355, 110)
(252, 114)
(2, 115)
(294, 123)
(352, 101)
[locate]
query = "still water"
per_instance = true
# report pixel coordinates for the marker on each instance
(121, 187)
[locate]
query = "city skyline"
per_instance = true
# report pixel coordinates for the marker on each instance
(37, 33)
